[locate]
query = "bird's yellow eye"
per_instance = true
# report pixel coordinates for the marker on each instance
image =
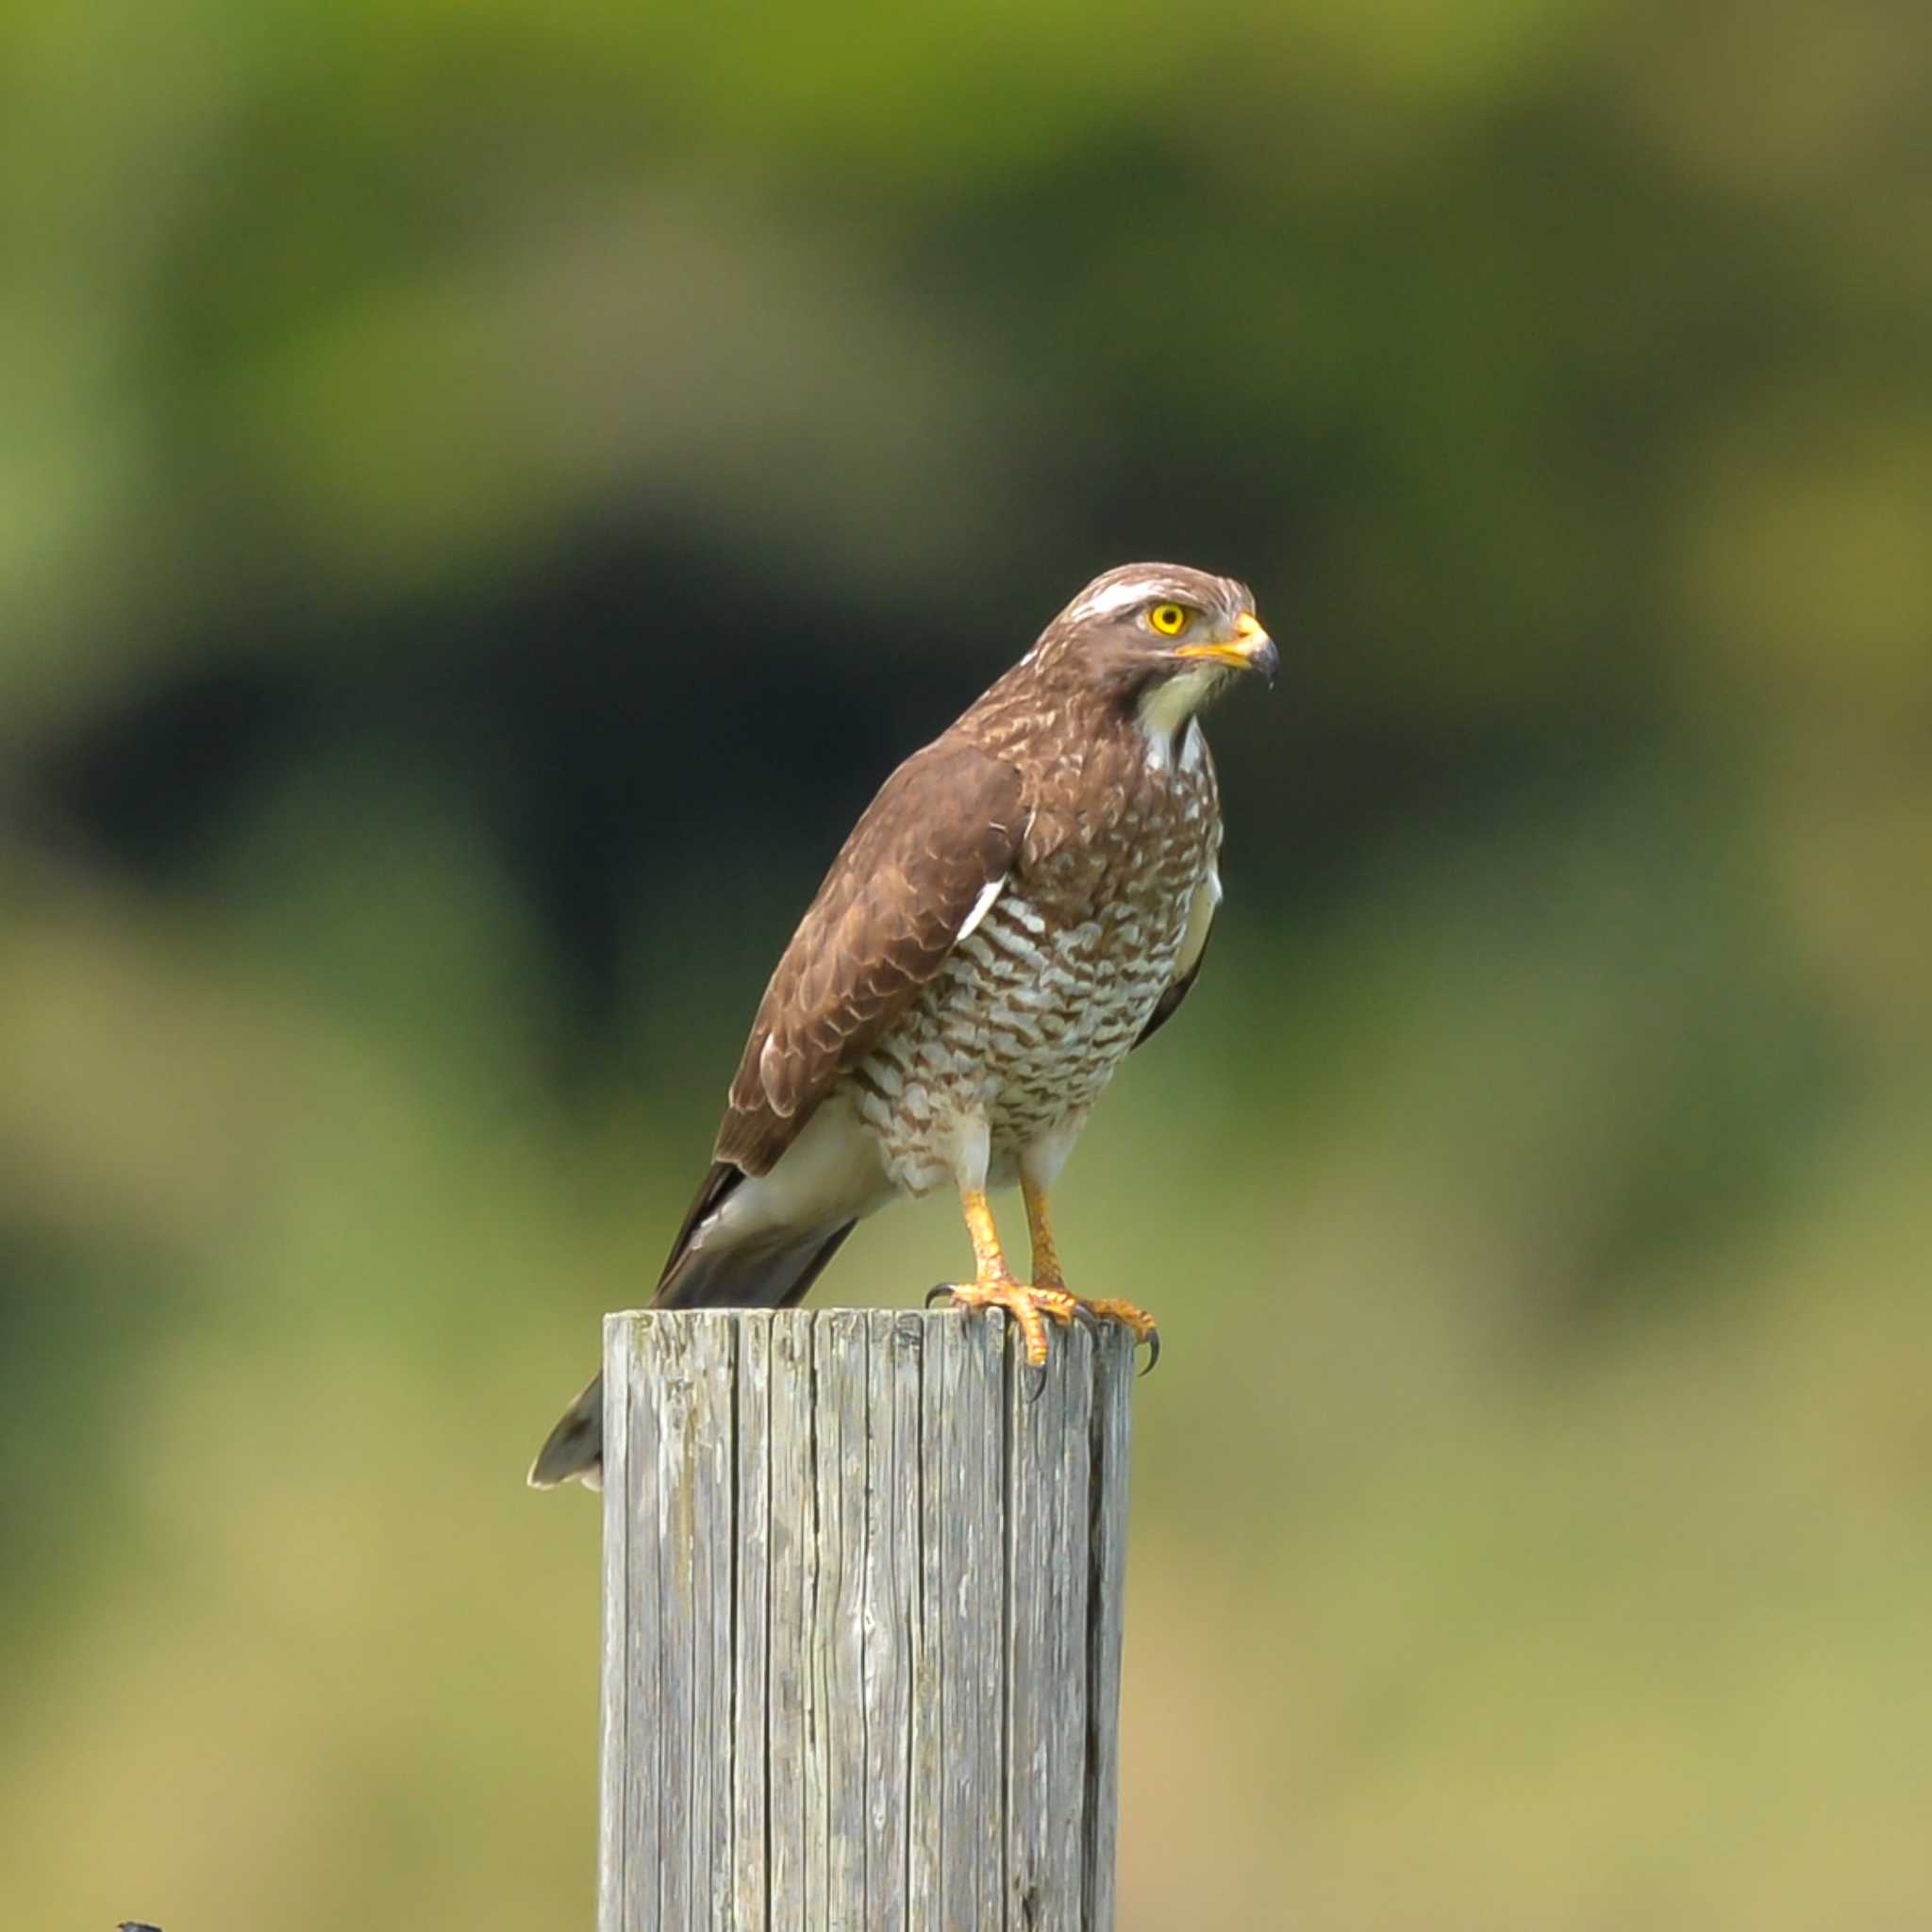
(1170, 620)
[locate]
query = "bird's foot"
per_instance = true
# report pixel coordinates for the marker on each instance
(1128, 1316)
(1030, 1308)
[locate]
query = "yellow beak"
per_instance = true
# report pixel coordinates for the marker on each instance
(1250, 649)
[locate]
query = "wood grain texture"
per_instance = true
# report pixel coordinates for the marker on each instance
(861, 1623)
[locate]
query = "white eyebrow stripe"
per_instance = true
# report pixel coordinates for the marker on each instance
(1118, 596)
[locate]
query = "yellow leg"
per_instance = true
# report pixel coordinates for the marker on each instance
(1046, 1271)
(988, 1260)
(1046, 1257)
(994, 1287)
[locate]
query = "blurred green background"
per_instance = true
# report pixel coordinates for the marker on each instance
(485, 495)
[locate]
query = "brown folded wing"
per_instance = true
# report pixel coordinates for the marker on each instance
(945, 826)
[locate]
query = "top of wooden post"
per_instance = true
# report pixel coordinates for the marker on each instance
(863, 1621)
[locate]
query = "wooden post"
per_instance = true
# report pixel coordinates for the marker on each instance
(862, 1581)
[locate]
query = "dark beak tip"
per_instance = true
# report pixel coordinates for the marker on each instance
(1267, 661)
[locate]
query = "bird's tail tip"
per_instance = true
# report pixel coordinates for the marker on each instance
(575, 1446)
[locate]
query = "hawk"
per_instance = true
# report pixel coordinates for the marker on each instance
(1024, 902)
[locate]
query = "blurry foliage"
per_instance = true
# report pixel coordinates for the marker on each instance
(486, 494)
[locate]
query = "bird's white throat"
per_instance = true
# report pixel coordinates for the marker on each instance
(1168, 707)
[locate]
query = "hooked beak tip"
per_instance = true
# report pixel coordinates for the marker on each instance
(1258, 648)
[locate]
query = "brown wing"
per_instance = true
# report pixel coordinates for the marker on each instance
(945, 826)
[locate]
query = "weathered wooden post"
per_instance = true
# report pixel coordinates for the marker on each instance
(861, 1623)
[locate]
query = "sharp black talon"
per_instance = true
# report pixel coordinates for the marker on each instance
(932, 1295)
(1153, 1350)
(1087, 1318)
(1036, 1377)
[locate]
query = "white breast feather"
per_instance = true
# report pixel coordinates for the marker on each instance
(981, 907)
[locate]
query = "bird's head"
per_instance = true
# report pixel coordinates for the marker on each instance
(1160, 639)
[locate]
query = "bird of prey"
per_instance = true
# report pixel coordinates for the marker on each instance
(1025, 901)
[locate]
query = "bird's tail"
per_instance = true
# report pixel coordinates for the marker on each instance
(771, 1272)
(575, 1446)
